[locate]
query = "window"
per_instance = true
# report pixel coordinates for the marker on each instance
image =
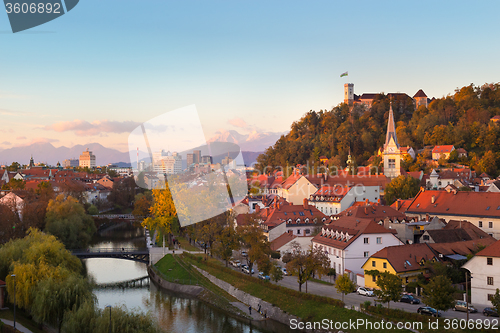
(298, 232)
(480, 224)
(374, 278)
(385, 265)
(367, 254)
(373, 263)
(379, 240)
(365, 240)
(490, 280)
(392, 163)
(490, 225)
(489, 261)
(308, 231)
(490, 297)
(301, 213)
(406, 280)
(425, 237)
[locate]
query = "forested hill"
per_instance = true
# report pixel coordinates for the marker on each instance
(461, 119)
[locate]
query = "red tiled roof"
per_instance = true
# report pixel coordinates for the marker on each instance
(420, 93)
(373, 212)
(442, 149)
(462, 247)
(282, 240)
(492, 250)
(274, 216)
(461, 203)
(403, 204)
(405, 258)
(347, 225)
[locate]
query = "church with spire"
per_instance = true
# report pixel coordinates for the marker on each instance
(392, 151)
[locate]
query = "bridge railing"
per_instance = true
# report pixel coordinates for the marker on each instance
(111, 250)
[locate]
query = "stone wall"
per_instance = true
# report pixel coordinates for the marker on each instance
(273, 312)
(175, 287)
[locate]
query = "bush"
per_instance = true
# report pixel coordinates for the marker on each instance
(366, 304)
(275, 255)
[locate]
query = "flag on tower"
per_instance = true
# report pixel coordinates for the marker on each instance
(344, 74)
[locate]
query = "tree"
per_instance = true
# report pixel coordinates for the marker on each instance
(66, 219)
(142, 204)
(252, 238)
(306, 263)
(225, 243)
(438, 293)
(54, 297)
(402, 187)
(93, 210)
(276, 272)
(495, 300)
(344, 285)
(163, 212)
(389, 284)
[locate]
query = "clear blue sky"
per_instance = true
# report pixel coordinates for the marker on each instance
(265, 63)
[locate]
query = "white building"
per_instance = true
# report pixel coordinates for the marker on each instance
(484, 270)
(166, 162)
(350, 241)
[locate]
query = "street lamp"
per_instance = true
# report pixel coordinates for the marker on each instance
(109, 306)
(14, 277)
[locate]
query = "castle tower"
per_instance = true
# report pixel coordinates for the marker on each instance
(392, 154)
(349, 93)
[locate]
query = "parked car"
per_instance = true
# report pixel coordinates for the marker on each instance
(462, 306)
(490, 312)
(427, 310)
(263, 277)
(246, 269)
(244, 254)
(364, 291)
(235, 263)
(409, 299)
(285, 272)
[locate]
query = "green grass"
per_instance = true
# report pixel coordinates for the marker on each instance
(21, 318)
(185, 244)
(171, 269)
(306, 309)
(322, 282)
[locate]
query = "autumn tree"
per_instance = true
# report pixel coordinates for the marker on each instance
(66, 219)
(226, 242)
(306, 263)
(402, 187)
(389, 285)
(253, 240)
(438, 293)
(142, 204)
(344, 285)
(163, 213)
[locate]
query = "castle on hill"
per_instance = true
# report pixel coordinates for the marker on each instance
(366, 99)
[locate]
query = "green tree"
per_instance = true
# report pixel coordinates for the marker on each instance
(306, 263)
(402, 187)
(54, 297)
(225, 243)
(495, 300)
(438, 293)
(253, 240)
(276, 272)
(389, 286)
(66, 219)
(344, 285)
(14, 166)
(93, 210)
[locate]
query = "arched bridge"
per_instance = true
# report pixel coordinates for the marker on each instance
(141, 282)
(140, 255)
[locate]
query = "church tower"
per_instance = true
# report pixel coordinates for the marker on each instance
(392, 154)
(32, 163)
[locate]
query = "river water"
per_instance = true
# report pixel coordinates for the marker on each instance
(174, 313)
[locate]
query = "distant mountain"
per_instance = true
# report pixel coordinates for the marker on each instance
(254, 142)
(47, 153)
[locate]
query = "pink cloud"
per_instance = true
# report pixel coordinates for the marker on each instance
(21, 138)
(238, 122)
(98, 127)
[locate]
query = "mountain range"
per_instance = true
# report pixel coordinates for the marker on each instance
(251, 146)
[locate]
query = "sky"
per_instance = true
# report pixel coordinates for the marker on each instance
(102, 69)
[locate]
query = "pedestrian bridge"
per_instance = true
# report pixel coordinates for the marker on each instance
(140, 255)
(141, 282)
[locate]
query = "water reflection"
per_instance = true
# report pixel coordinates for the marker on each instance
(174, 312)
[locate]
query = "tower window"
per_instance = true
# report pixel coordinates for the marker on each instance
(392, 163)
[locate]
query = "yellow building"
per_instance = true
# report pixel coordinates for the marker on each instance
(406, 261)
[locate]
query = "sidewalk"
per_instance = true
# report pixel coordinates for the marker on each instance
(19, 327)
(255, 315)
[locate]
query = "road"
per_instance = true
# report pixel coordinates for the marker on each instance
(354, 299)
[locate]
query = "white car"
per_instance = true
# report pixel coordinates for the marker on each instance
(285, 272)
(364, 291)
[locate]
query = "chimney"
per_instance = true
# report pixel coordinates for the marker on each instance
(367, 202)
(433, 199)
(257, 209)
(427, 217)
(306, 205)
(398, 204)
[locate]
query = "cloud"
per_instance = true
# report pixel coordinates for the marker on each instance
(21, 138)
(85, 128)
(237, 122)
(6, 143)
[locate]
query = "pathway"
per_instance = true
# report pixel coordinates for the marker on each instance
(243, 307)
(19, 327)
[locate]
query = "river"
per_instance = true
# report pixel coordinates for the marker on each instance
(174, 313)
